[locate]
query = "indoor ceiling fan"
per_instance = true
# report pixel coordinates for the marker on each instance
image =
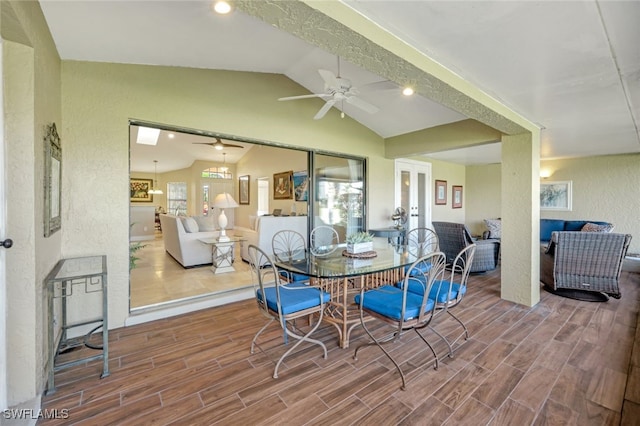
(338, 90)
(218, 144)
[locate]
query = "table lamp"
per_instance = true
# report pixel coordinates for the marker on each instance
(224, 201)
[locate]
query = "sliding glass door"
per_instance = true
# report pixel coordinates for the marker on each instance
(339, 193)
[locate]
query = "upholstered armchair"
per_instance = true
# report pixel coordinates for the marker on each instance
(454, 237)
(584, 265)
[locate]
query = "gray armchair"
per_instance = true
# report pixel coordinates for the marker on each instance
(584, 265)
(453, 237)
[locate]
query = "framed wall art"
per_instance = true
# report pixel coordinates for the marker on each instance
(441, 192)
(300, 185)
(243, 189)
(139, 190)
(456, 197)
(283, 186)
(555, 195)
(52, 180)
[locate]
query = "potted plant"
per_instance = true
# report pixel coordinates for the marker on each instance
(359, 242)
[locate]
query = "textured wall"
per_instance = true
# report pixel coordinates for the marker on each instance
(31, 82)
(454, 174)
(605, 188)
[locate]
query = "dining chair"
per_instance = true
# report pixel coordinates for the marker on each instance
(401, 309)
(285, 302)
(289, 245)
(450, 292)
(420, 242)
(323, 240)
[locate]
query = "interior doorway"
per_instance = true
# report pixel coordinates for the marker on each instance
(413, 192)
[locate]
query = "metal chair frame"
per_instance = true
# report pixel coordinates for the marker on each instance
(268, 277)
(427, 271)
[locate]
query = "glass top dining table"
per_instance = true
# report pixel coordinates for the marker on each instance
(343, 276)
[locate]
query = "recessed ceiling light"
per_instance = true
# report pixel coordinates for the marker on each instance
(171, 135)
(407, 91)
(222, 7)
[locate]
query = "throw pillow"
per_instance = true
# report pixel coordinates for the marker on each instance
(594, 227)
(205, 223)
(190, 224)
(494, 226)
(252, 222)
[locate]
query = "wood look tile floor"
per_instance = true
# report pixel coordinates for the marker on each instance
(562, 362)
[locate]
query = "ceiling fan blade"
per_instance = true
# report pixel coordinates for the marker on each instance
(379, 86)
(205, 143)
(228, 145)
(330, 79)
(291, 98)
(364, 105)
(325, 108)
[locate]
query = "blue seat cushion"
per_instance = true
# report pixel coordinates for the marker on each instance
(293, 300)
(387, 301)
(295, 277)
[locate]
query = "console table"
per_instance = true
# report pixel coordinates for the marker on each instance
(394, 235)
(75, 278)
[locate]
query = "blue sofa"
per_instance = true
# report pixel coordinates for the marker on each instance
(547, 226)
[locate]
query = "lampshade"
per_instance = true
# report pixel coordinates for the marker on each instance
(224, 200)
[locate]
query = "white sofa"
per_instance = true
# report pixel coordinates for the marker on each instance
(184, 246)
(264, 230)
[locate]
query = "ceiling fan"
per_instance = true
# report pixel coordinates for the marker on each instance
(218, 144)
(337, 90)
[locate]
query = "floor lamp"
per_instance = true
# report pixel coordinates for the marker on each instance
(224, 201)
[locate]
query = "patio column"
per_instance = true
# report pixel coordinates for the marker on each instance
(520, 271)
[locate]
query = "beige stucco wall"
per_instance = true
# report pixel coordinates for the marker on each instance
(484, 196)
(31, 81)
(99, 99)
(454, 174)
(605, 188)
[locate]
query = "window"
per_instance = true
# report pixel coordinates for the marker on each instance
(217, 173)
(177, 198)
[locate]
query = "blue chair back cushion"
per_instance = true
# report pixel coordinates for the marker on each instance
(421, 268)
(438, 291)
(293, 300)
(387, 301)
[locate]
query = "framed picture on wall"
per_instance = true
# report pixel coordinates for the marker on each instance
(441, 192)
(300, 185)
(139, 190)
(456, 197)
(283, 185)
(243, 189)
(555, 195)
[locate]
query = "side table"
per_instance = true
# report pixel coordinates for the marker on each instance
(222, 253)
(74, 277)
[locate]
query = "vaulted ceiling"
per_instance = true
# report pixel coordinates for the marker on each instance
(572, 68)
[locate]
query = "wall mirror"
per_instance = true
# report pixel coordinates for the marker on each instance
(52, 179)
